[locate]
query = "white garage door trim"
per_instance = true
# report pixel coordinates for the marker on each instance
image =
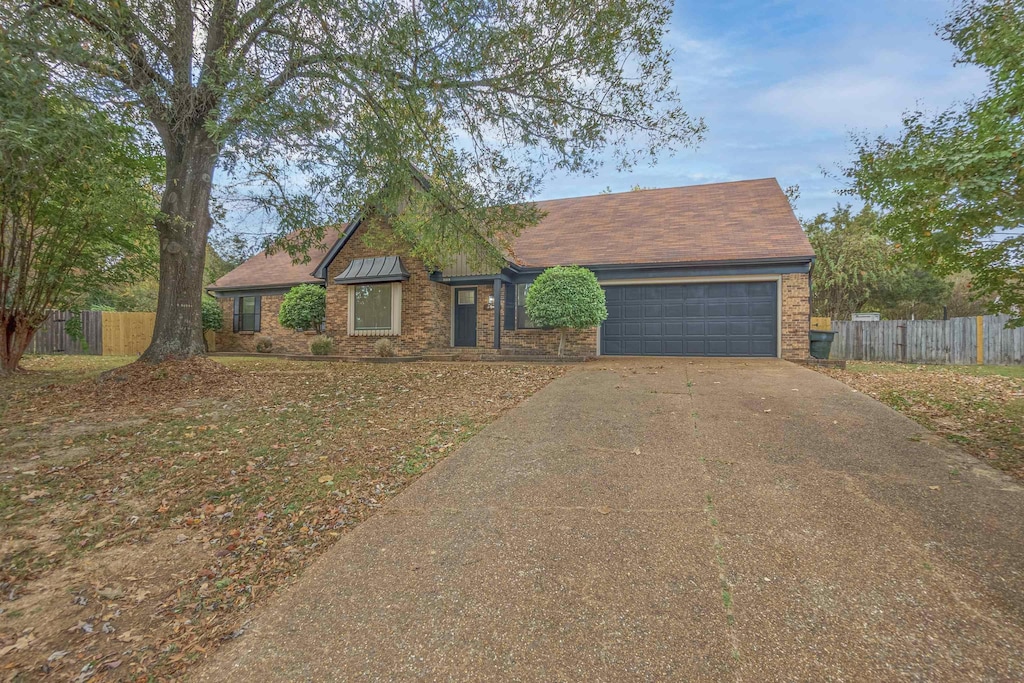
(777, 279)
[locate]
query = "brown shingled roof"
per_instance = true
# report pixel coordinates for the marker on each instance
(276, 270)
(744, 220)
(748, 219)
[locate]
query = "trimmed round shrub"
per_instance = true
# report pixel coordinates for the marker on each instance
(303, 308)
(213, 315)
(264, 345)
(321, 345)
(566, 297)
(384, 348)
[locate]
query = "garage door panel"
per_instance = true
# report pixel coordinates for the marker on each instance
(695, 328)
(674, 292)
(716, 346)
(706, 319)
(653, 293)
(693, 309)
(673, 347)
(716, 328)
(738, 328)
(718, 291)
(694, 291)
(672, 310)
(739, 309)
(716, 309)
(653, 328)
(654, 311)
(632, 347)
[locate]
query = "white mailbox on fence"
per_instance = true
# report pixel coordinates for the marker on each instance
(866, 317)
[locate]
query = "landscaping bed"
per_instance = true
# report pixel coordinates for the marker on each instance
(145, 514)
(980, 408)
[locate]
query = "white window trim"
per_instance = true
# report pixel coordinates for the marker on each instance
(396, 312)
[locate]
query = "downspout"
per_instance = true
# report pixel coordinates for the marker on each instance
(810, 293)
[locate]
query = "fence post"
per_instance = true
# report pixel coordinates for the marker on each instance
(980, 322)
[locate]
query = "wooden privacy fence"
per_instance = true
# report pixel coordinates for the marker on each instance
(53, 338)
(106, 333)
(127, 334)
(821, 323)
(958, 341)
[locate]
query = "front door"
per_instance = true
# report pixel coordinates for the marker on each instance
(465, 316)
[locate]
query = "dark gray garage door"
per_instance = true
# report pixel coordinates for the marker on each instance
(720, 319)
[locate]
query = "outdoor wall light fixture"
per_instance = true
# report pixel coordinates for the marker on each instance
(490, 303)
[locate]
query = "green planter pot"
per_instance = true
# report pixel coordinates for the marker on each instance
(821, 344)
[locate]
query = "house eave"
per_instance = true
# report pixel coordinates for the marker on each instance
(274, 288)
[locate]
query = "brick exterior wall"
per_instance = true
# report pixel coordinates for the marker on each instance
(577, 342)
(284, 340)
(427, 317)
(426, 305)
(796, 316)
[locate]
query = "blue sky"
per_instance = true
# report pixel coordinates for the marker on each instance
(782, 83)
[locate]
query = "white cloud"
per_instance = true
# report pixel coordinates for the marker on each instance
(870, 95)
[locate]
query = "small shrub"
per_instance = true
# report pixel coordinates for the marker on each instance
(264, 344)
(384, 348)
(213, 316)
(321, 345)
(303, 308)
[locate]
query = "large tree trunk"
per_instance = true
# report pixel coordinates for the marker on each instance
(15, 335)
(183, 225)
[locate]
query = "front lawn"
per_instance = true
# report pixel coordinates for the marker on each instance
(145, 515)
(981, 408)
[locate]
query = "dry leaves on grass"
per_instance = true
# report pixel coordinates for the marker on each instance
(984, 414)
(148, 513)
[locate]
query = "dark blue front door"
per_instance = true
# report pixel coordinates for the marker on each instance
(465, 316)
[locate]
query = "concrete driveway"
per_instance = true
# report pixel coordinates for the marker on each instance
(670, 520)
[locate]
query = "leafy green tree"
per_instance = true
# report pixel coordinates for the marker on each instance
(908, 293)
(951, 186)
(444, 116)
(566, 297)
(304, 308)
(963, 301)
(76, 202)
(851, 260)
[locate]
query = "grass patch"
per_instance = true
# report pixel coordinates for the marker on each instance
(1013, 371)
(979, 408)
(180, 497)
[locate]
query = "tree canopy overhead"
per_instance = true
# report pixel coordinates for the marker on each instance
(951, 187)
(320, 107)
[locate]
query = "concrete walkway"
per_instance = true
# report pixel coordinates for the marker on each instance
(670, 520)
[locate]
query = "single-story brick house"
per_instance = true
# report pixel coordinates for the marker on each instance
(707, 270)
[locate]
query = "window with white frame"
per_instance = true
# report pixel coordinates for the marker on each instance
(375, 309)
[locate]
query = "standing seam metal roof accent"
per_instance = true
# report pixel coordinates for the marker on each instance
(375, 269)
